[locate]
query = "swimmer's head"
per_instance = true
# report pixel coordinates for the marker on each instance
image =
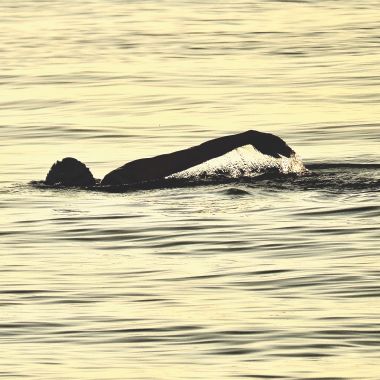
(70, 172)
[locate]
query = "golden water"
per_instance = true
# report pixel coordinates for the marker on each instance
(276, 277)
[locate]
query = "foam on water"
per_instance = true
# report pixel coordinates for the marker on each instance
(245, 161)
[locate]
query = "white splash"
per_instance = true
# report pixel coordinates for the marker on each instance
(245, 161)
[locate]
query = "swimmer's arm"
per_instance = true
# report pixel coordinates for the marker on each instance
(164, 165)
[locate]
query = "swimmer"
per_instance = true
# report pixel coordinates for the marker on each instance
(71, 172)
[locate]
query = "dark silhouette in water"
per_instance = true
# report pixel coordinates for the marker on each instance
(71, 172)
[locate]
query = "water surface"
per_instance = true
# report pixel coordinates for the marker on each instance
(275, 276)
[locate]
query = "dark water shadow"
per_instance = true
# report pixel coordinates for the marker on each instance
(331, 177)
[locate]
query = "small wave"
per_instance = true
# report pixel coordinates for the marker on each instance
(236, 192)
(344, 165)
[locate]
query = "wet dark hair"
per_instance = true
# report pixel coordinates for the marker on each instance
(70, 172)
